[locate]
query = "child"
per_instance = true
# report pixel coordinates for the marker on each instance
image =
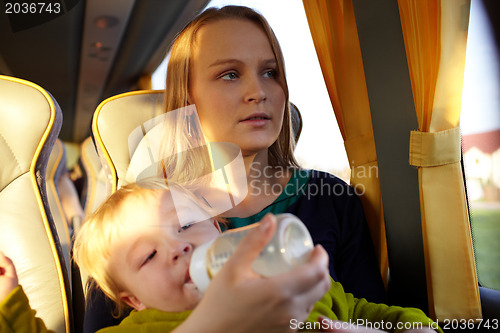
(138, 252)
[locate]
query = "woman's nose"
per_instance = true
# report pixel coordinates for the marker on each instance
(179, 250)
(255, 91)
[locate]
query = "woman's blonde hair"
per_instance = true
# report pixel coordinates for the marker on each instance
(178, 73)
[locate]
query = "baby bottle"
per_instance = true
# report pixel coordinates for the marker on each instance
(289, 247)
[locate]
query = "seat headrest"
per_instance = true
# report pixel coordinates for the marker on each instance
(95, 179)
(114, 119)
(296, 121)
(24, 108)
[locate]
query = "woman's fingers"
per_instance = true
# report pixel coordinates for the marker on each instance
(305, 285)
(273, 301)
(301, 287)
(252, 245)
(312, 272)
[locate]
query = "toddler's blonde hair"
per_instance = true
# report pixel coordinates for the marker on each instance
(91, 250)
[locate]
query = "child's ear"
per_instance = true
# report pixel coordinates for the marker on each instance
(131, 301)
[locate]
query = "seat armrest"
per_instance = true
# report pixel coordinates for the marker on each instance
(490, 303)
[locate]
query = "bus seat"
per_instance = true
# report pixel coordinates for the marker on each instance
(28, 234)
(55, 168)
(70, 200)
(66, 212)
(490, 304)
(114, 119)
(94, 188)
(296, 121)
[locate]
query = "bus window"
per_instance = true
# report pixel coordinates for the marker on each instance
(321, 145)
(480, 125)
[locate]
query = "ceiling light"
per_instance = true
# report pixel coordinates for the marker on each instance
(105, 21)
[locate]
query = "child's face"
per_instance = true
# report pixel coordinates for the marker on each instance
(150, 261)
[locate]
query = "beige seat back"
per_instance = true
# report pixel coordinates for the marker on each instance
(94, 189)
(30, 121)
(55, 168)
(114, 120)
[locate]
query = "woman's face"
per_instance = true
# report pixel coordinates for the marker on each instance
(235, 86)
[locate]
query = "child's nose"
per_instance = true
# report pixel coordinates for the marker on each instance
(179, 250)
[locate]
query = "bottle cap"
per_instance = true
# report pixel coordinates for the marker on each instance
(198, 267)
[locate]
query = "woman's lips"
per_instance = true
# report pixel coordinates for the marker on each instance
(257, 119)
(256, 122)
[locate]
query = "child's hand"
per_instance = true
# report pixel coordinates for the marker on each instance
(8, 276)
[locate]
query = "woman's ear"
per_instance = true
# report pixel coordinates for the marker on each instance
(131, 301)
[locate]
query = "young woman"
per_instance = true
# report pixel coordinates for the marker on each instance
(228, 63)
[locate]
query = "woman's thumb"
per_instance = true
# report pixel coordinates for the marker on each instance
(254, 242)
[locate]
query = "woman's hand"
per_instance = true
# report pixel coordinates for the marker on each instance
(239, 300)
(8, 276)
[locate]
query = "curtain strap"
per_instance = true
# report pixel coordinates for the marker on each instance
(434, 149)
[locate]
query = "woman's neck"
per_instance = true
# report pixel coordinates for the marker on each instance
(265, 184)
(256, 164)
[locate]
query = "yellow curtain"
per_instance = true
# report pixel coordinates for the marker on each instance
(333, 28)
(435, 35)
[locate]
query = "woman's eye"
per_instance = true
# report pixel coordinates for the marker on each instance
(149, 258)
(270, 74)
(229, 76)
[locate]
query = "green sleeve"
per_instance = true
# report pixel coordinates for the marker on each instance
(148, 321)
(396, 318)
(338, 305)
(17, 316)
